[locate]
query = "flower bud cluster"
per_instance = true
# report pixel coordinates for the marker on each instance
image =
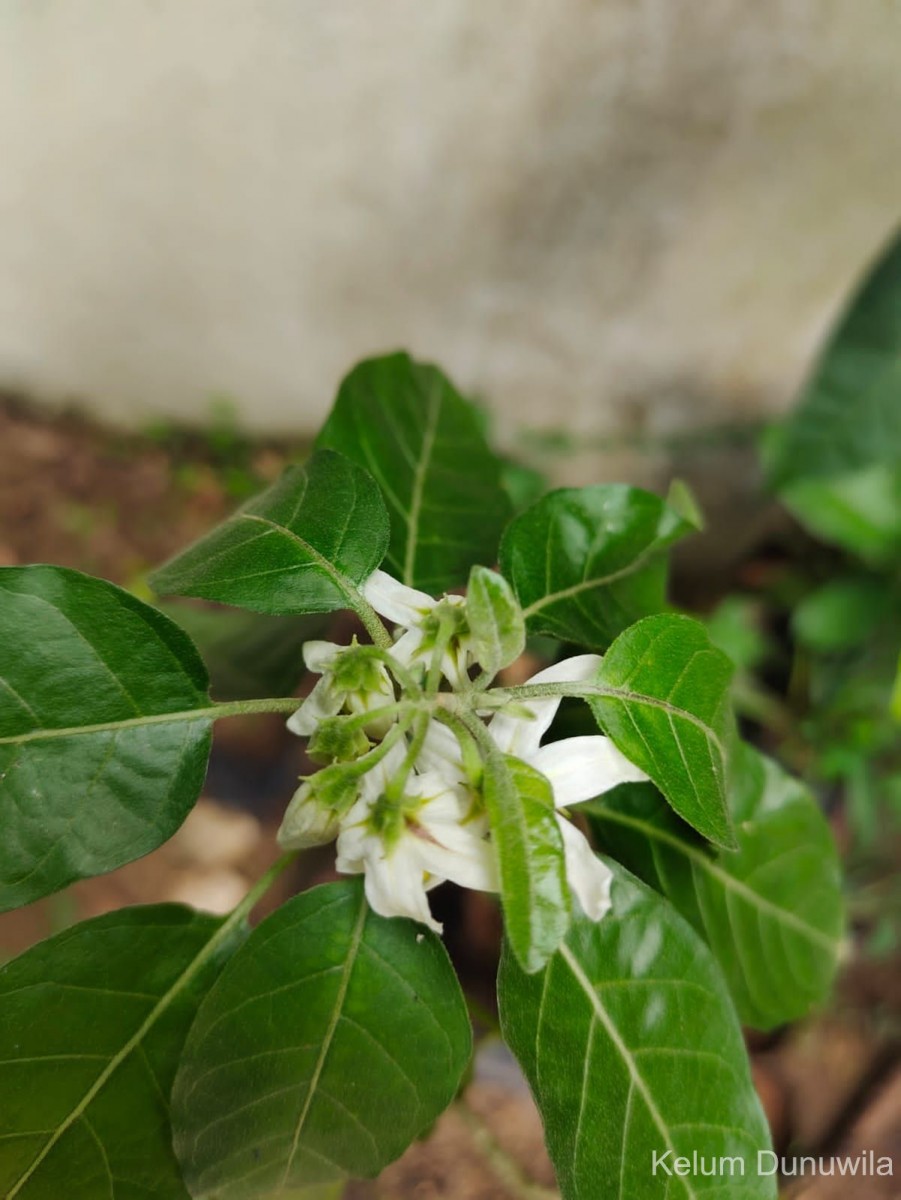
(399, 789)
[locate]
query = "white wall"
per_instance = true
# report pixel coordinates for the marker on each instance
(576, 207)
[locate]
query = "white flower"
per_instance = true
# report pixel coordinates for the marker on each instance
(418, 618)
(307, 821)
(578, 768)
(351, 682)
(408, 847)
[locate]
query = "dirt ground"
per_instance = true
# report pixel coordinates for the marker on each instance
(116, 506)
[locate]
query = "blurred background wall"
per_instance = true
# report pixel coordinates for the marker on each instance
(580, 209)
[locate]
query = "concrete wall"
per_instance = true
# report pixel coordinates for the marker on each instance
(617, 215)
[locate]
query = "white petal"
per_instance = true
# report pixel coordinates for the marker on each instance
(406, 648)
(354, 841)
(374, 782)
(520, 735)
(321, 703)
(441, 753)
(395, 887)
(588, 877)
(306, 823)
(319, 656)
(471, 863)
(582, 767)
(394, 600)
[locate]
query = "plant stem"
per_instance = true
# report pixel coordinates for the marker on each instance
(370, 619)
(259, 889)
(241, 708)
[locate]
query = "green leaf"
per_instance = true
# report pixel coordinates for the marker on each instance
(405, 422)
(771, 911)
(92, 1023)
(587, 562)
(849, 416)
(843, 613)
(332, 1039)
(631, 1047)
(302, 546)
(495, 620)
(104, 729)
(525, 833)
(667, 709)
(858, 510)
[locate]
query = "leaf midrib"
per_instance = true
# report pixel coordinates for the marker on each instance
(623, 1050)
(586, 585)
(180, 984)
(341, 581)
(344, 983)
(38, 735)
(419, 473)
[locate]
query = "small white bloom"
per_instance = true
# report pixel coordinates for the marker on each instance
(418, 617)
(350, 682)
(577, 769)
(407, 848)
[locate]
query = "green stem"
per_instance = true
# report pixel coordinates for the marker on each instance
(442, 641)
(259, 889)
(241, 708)
(371, 622)
(398, 782)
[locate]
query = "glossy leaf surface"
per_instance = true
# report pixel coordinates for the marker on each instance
(304, 545)
(771, 910)
(424, 444)
(524, 829)
(631, 1047)
(667, 709)
(332, 1039)
(92, 1023)
(104, 729)
(588, 562)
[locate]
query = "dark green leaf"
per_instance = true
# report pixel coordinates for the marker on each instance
(92, 1023)
(248, 655)
(529, 846)
(404, 421)
(104, 729)
(495, 620)
(302, 546)
(771, 911)
(667, 709)
(332, 1039)
(587, 562)
(849, 417)
(631, 1047)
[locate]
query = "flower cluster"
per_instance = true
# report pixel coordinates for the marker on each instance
(400, 788)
